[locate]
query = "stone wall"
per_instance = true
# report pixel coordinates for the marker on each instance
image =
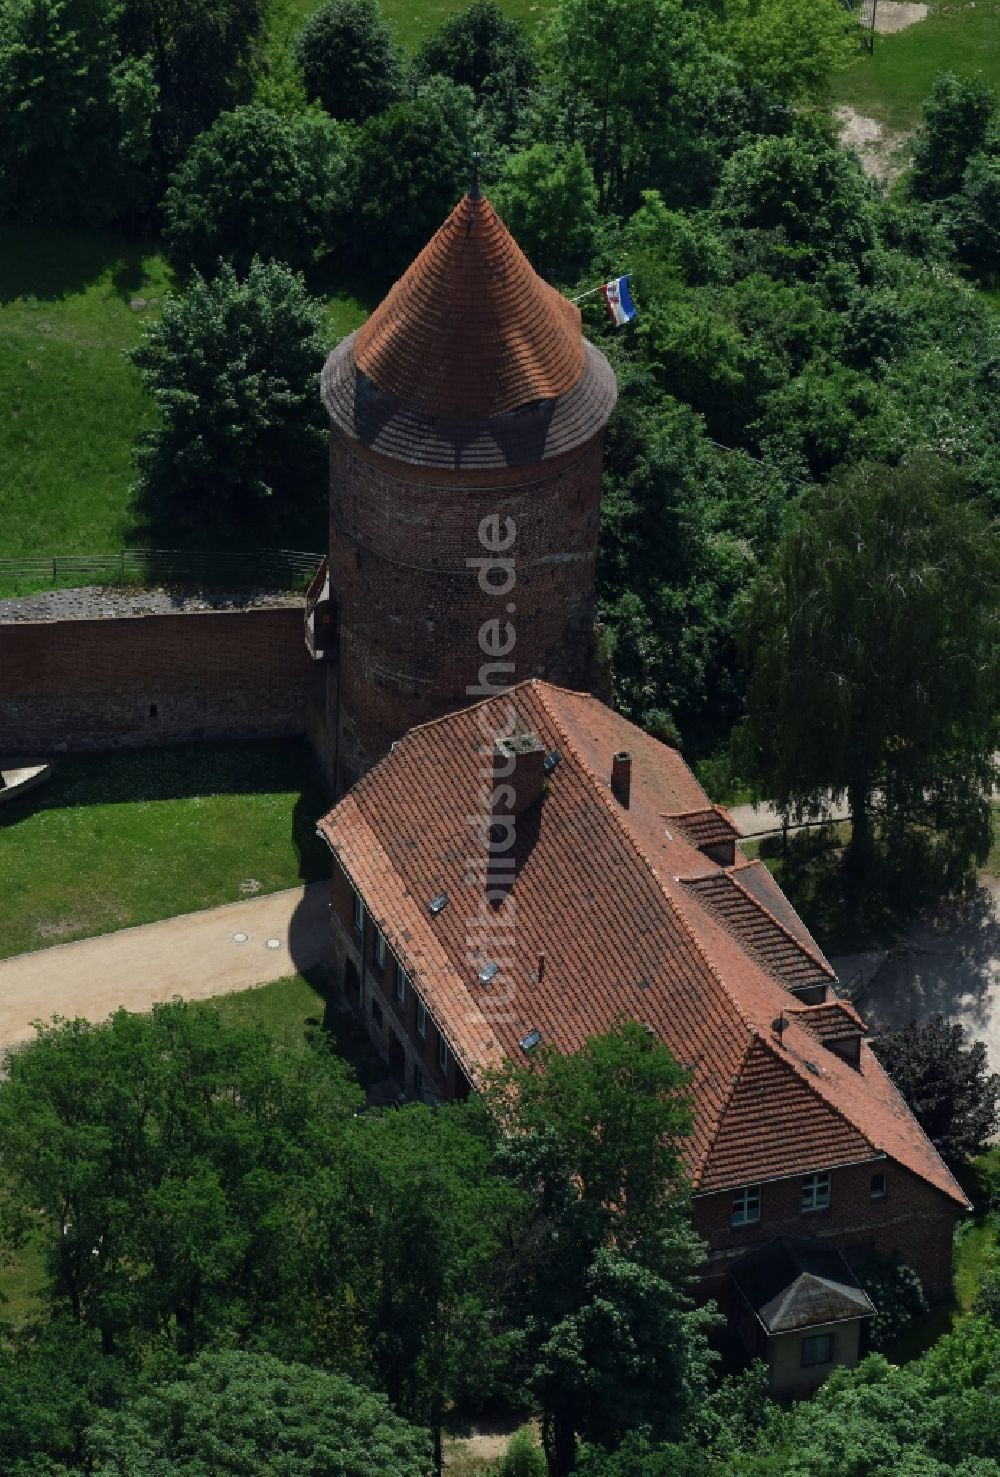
(131, 679)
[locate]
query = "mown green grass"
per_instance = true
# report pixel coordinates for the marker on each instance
(70, 404)
(115, 840)
(961, 36)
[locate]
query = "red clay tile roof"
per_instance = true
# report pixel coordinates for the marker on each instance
(835, 1020)
(711, 827)
(781, 952)
(470, 331)
(598, 925)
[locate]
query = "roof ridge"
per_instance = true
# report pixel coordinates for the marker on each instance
(821, 962)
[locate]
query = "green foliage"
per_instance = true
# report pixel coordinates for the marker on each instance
(806, 196)
(413, 166)
(166, 1185)
(646, 107)
(414, 1220)
(349, 59)
(77, 114)
(898, 1295)
(681, 526)
(792, 48)
(523, 1457)
(976, 216)
(610, 1337)
(548, 200)
(956, 116)
(204, 55)
(232, 365)
(480, 48)
(946, 1083)
(872, 638)
(258, 184)
(252, 1416)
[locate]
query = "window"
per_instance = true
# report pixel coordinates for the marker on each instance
(400, 983)
(746, 1206)
(378, 949)
(421, 1018)
(357, 911)
(816, 1193)
(817, 1348)
(376, 1012)
(418, 1077)
(879, 1187)
(442, 1053)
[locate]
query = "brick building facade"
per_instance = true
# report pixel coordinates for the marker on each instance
(627, 894)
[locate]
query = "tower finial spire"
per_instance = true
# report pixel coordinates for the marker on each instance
(475, 192)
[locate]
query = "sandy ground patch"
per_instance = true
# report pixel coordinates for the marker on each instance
(882, 150)
(194, 956)
(896, 15)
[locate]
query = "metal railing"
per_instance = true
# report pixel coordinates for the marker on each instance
(266, 568)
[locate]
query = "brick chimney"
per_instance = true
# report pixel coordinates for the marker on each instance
(518, 774)
(621, 777)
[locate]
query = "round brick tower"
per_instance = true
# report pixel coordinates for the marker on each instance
(467, 424)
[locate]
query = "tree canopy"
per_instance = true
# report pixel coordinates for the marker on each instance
(946, 1083)
(233, 366)
(350, 61)
(873, 641)
(257, 184)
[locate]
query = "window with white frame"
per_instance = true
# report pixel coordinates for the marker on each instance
(817, 1348)
(879, 1187)
(400, 983)
(746, 1206)
(378, 949)
(421, 1018)
(816, 1192)
(357, 910)
(442, 1053)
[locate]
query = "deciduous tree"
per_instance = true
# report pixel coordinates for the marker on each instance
(258, 184)
(232, 365)
(872, 637)
(350, 61)
(946, 1083)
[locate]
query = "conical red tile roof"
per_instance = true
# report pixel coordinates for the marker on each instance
(471, 331)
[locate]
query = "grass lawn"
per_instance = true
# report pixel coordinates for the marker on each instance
(70, 405)
(891, 84)
(114, 840)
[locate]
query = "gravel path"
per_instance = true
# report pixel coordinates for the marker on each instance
(96, 602)
(195, 956)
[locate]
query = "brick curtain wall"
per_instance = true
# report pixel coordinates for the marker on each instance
(139, 681)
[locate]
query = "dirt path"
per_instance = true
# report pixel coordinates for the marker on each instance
(764, 820)
(195, 956)
(881, 150)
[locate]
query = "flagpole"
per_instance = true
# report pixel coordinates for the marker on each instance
(593, 291)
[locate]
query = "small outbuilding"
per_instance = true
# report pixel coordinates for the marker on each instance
(801, 1309)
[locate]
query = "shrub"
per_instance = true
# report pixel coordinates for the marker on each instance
(897, 1293)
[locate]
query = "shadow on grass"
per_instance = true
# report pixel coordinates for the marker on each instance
(53, 264)
(184, 771)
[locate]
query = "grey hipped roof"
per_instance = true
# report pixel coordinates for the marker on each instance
(793, 1283)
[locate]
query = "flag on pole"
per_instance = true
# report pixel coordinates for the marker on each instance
(618, 300)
